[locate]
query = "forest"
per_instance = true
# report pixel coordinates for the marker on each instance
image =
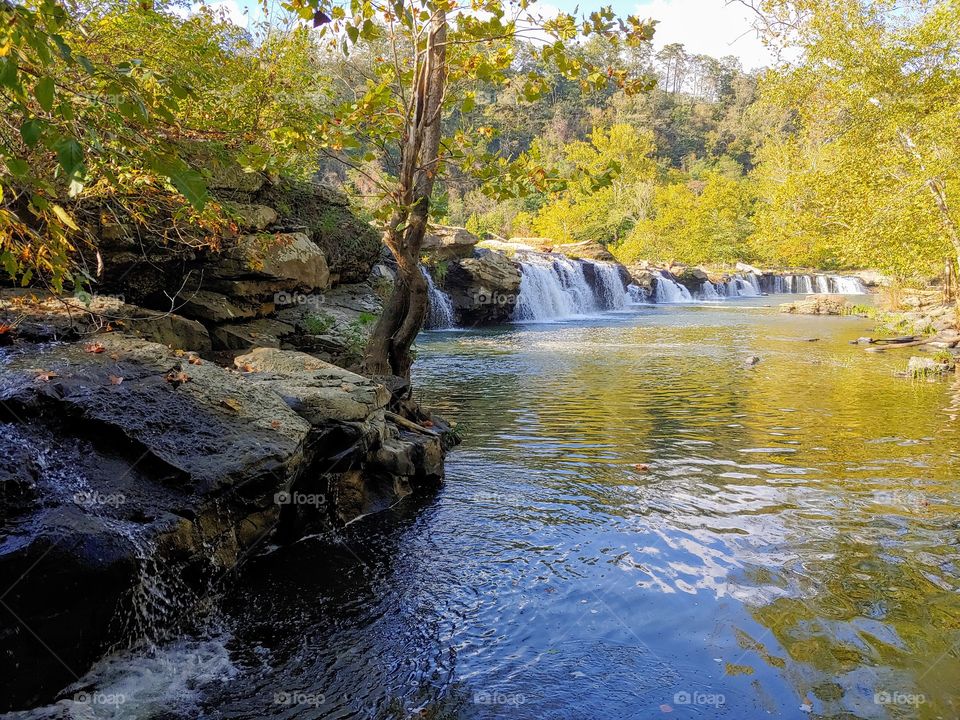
(842, 155)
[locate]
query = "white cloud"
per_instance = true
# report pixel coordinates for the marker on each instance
(710, 27)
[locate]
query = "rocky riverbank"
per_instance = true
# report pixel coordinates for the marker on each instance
(156, 433)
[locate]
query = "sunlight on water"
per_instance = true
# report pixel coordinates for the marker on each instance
(638, 525)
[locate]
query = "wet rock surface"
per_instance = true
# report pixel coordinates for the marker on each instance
(483, 288)
(134, 476)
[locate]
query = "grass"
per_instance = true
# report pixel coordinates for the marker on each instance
(318, 323)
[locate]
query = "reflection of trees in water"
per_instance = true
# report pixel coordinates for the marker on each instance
(873, 603)
(846, 513)
(953, 409)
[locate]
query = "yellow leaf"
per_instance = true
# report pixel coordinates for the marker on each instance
(64, 217)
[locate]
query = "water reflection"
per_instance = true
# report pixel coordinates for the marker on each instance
(814, 492)
(638, 525)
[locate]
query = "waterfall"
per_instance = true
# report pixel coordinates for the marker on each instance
(554, 287)
(708, 291)
(637, 295)
(440, 314)
(609, 288)
(819, 283)
(848, 285)
(753, 285)
(670, 291)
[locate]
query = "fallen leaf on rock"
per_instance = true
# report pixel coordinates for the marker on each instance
(115, 379)
(232, 404)
(246, 368)
(427, 423)
(94, 347)
(194, 360)
(45, 376)
(275, 424)
(642, 467)
(176, 378)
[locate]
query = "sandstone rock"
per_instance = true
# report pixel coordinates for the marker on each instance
(483, 288)
(41, 316)
(350, 245)
(921, 367)
(446, 242)
(316, 390)
(586, 250)
(129, 471)
(749, 269)
(251, 216)
(246, 335)
(817, 305)
(215, 308)
(289, 257)
(692, 278)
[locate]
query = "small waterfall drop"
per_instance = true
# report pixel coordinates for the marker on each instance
(440, 315)
(554, 287)
(670, 291)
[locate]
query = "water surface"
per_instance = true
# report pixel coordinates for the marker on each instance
(638, 525)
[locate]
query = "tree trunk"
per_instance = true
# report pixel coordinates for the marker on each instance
(388, 350)
(940, 198)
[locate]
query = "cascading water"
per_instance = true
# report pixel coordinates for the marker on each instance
(609, 287)
(670, 291)
(753, 285)
(440, 314)
(553, 287)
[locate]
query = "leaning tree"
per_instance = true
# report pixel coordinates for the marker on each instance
(428, 58)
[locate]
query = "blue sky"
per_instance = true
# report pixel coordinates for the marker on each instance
(713, 27)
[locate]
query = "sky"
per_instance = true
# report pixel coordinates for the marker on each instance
(710, 27)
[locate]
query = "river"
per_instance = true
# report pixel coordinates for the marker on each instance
(638, 524)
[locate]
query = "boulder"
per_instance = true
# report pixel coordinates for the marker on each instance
(256, 333)
(251, 216)
(692, 278)
(211, 307)
(316, 390)
(446, 242)
(817, 305)
(291, 258)
(350, 245)
(483, 288)
(749, 269)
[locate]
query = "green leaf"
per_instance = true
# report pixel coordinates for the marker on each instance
(8, 72)
(70, 156)
(17, 167)
(30, 131)
(353, 33)
(191, 185)
(43, 91)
